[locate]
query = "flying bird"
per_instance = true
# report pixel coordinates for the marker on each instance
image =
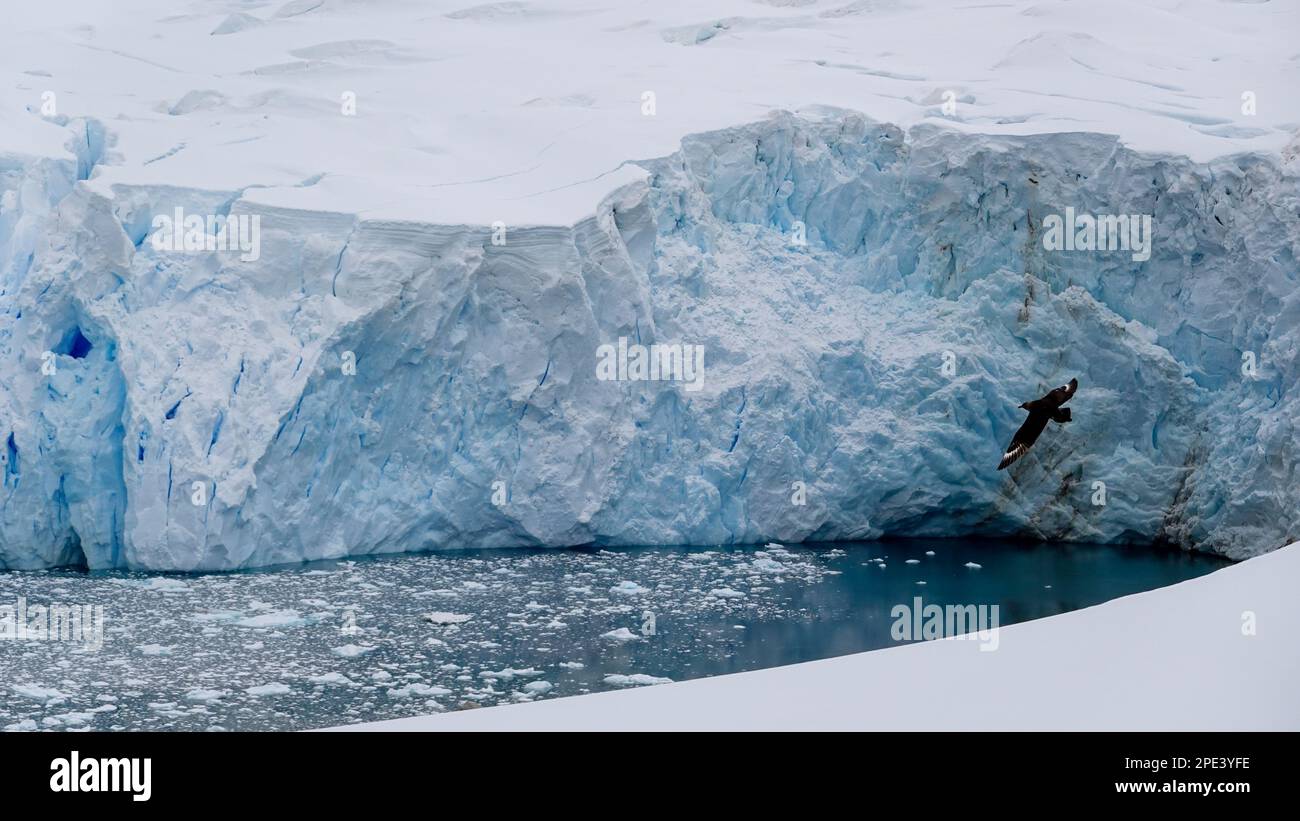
(1040, 410)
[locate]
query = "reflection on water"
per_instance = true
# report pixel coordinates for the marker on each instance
(341, 642)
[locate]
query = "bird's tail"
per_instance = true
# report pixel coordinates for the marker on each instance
(1061, 415)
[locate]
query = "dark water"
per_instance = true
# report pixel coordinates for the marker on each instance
(342, 642)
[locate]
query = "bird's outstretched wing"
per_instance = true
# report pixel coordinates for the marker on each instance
(1024, 438)
(1059, 396)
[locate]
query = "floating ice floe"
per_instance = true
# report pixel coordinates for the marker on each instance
(620, 635)
(765, 565)
(441, 618)
(635, 680)
(277, 618)
(725, 593)
(275, 688)
(351, 651)
(626, 588)
(509, 673)
(49, 695)
(165, 584)
(417, 689)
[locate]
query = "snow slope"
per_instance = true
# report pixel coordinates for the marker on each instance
(1160, 660)
(524, 111)
(198, 416)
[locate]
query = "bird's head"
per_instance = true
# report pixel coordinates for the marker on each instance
(1023, 405)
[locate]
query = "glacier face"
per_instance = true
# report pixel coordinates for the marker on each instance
(176, 411)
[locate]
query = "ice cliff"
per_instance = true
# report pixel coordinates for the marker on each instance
(178, 411)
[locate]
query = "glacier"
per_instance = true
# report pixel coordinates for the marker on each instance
(193, 412)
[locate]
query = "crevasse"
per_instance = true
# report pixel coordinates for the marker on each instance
(180, 378)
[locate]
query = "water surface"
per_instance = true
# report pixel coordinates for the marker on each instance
(342, 642)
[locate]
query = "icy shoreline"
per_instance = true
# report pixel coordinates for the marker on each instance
(1160, 660)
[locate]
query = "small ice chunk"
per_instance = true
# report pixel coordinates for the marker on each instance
(277, 618)
(351, 651)
(165, 584)
(441, 618)
(49, 695)
(275, 688)
(725, 593)
(415, 688)
(635, 680)
(626, 588)
(509, 673)
(974, 566)
(621, 635)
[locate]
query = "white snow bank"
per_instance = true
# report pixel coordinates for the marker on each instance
(1170, 659)
(454, 124)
